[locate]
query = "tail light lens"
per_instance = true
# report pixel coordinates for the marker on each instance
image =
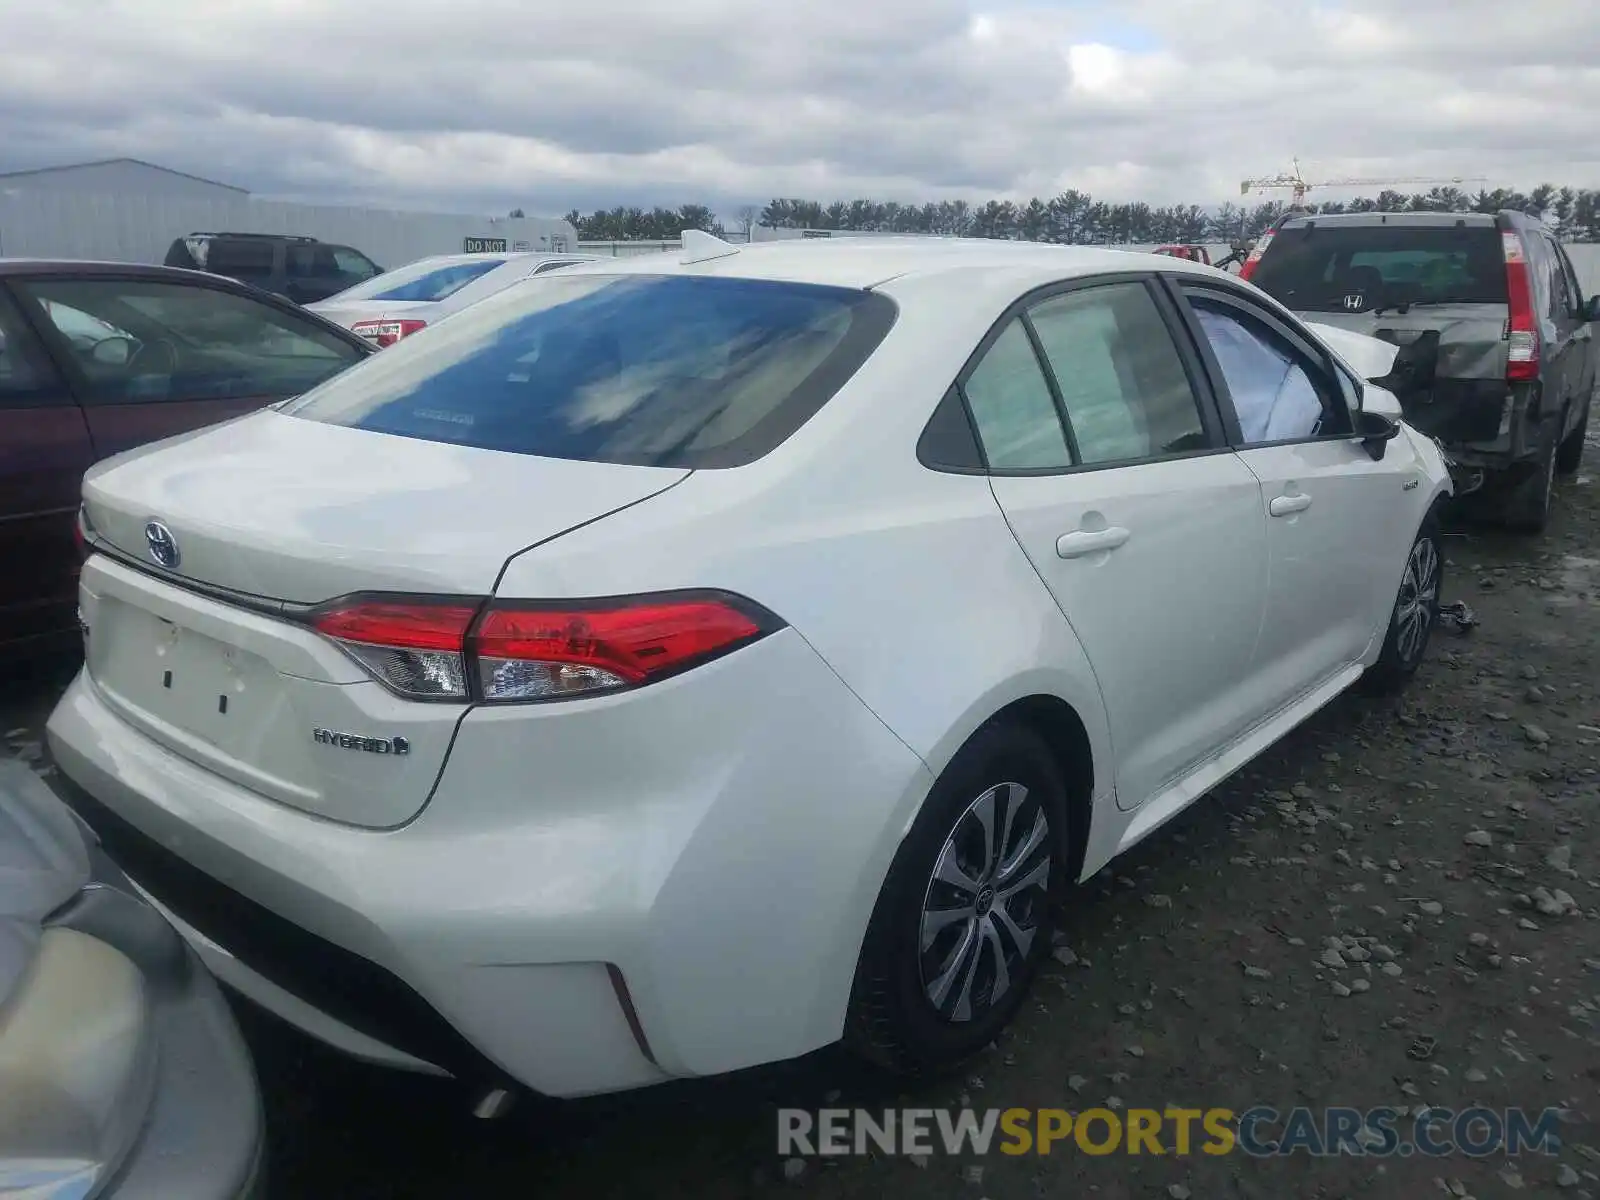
(1522, 330)
(416, 649)
(1256, 253)
(509, 651)
(386, 333)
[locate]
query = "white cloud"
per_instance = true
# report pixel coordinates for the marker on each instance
(485, 104)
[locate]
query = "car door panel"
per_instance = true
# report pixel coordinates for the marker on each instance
(44, 451)
(1337, 525)
(1149, 537)
(1163, 589)
(1579, 371)
(1559, 328)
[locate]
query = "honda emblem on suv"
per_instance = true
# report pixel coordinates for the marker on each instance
(1353, 303)
(163, 546)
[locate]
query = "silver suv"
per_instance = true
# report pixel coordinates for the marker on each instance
(1497, 358)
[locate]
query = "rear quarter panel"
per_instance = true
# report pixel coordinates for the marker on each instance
(907, 581)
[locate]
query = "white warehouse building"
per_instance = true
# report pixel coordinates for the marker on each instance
(127, 210)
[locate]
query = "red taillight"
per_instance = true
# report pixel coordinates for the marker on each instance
(1260, 248)
(533, 653)
(386, 333)
(1522, 330)
(417, 649)
(528, 651)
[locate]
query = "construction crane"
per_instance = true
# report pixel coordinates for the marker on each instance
(1299, 185)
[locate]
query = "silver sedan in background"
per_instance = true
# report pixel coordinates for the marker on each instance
(398, 303)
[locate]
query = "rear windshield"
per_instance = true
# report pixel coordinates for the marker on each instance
(425, 282)
(1361, 267)
(656, 370)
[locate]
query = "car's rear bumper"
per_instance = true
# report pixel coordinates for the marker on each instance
(600, 894)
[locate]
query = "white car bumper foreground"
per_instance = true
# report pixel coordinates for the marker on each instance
(601, 894)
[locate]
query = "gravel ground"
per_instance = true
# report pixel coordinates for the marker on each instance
(1424, 828)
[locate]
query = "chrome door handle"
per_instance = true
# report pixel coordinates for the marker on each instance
(1287, 506)
(1087, 541)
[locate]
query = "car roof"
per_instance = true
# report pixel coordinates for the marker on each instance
(867, 262)
(83, 266)
(1414, 220)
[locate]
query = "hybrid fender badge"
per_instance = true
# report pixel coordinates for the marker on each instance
(1410, 485)
(162, 545)
(356, 741)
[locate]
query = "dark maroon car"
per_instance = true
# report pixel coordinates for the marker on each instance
(96, 358)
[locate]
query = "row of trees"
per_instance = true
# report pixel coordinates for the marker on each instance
(1076, 217)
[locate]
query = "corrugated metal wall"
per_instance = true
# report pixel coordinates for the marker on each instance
(140, 228)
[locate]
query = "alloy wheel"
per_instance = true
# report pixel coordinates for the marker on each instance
(1419, 595)
(983, 904)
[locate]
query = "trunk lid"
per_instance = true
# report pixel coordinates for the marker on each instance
(296, 510)
(293, 512)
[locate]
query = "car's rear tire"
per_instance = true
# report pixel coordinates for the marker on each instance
(1415, 614)
(928, 992)
(1570, 453)
(1526, 505)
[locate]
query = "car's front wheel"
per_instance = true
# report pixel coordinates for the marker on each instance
(1415, 612)
(964, 917)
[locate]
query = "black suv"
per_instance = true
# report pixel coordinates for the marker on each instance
(1497, 357)
(301, 269)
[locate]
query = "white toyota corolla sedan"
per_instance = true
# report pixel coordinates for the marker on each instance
(671, 665)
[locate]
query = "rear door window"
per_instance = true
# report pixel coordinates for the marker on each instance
(310, 261)
(1562, 302)
(1121, 380)
(241, 258)
(138, 341)
(353, 265)
(1574, 288)
(658, 370)
(326, 264)
(1356, 268)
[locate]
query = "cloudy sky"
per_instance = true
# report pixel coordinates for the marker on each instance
(479, 105)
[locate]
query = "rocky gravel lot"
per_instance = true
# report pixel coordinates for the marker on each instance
(1398, 906)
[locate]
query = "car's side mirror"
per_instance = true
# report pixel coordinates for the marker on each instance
(1375, 431)
(1590, 310)
(113, 351)
(1377, 398)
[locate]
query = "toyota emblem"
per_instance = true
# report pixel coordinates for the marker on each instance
(163, 546)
